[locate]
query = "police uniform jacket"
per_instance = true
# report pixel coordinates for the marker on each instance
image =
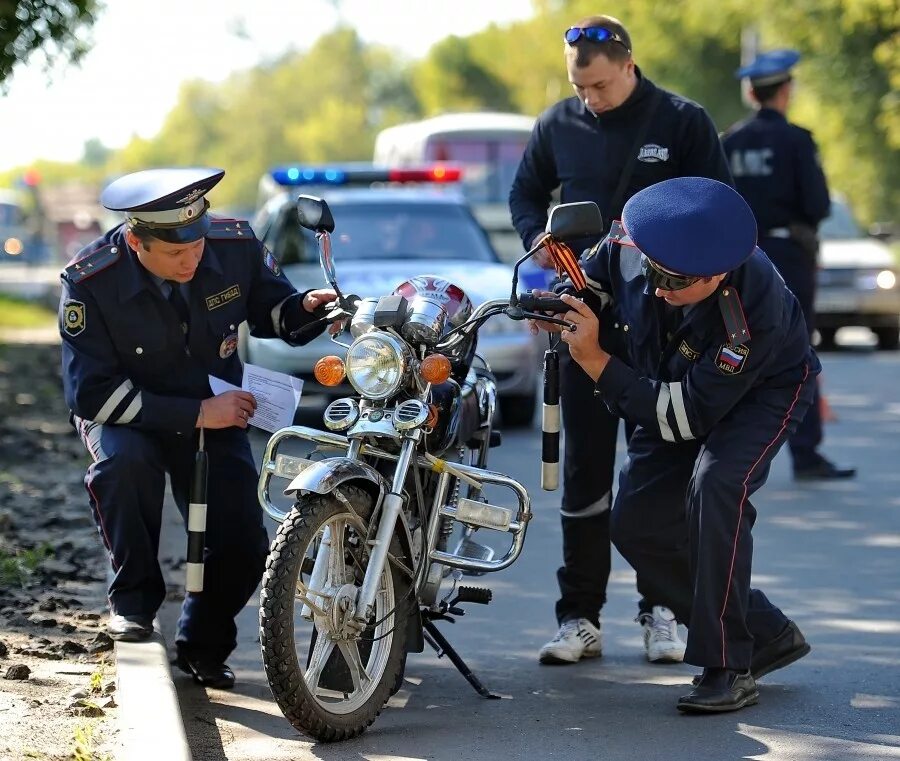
(776, 168)
(585, 154)
(748, 335)
(125, 360)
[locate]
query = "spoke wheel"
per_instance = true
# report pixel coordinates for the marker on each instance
(330, 674)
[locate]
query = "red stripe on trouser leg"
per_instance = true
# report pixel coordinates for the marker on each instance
(744, 483)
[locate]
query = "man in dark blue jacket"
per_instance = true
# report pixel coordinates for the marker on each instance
(618, 134)
(148, 312)
(714, 370)
(776, 168)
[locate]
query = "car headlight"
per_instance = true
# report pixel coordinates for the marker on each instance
(377, 364)
(876, 279)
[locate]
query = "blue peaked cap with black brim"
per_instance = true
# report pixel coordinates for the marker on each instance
(691, 226)
(769, 68)
(168, 204)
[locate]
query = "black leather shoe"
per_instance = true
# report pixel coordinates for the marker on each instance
(787, 647)
(720, 690)
(823, 470)
(129, 628)
(209, 673)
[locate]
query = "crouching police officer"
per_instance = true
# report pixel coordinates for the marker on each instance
(148, 312)
(776, 168)
(717, 372)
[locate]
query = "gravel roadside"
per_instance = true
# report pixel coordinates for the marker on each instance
(57, 666)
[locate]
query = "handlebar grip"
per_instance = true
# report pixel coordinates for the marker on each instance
(531, 303)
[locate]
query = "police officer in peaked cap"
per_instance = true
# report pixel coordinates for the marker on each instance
(148, 312)
(775, 165)
(715, 372)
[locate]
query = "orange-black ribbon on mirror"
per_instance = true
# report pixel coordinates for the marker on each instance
(565, 262)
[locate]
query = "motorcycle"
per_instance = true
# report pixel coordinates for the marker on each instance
(356, 574)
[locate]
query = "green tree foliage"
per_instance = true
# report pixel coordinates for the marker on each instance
(328, 103)
(53, 28)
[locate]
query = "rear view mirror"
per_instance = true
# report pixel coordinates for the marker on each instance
(570, 221)
(314, 214)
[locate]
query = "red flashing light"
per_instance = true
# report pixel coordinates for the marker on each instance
(436, 173)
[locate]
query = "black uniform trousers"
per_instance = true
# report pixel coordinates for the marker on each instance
(683, 517)
(798, 268)
(126, 485)
(591, 433)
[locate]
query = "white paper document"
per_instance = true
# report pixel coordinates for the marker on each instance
(277, 395)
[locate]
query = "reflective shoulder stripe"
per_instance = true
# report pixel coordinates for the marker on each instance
(132, 410)
(684, 427)
(662, 408)
(115, 398)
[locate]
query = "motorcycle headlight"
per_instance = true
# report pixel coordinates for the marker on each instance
(377, 364)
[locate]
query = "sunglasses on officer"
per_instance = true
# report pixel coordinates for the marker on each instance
(663, 279)
(595, 34)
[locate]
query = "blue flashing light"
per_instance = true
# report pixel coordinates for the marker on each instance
(363, 174)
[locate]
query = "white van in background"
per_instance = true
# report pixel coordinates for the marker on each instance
(487, 146)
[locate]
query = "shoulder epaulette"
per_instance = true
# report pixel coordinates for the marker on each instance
(94, 262)
(230, 229)
(733, 315)
(618, 235)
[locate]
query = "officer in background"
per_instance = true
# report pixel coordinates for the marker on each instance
(775, 165)
(716, 371)
(617, 134)
(148, 312)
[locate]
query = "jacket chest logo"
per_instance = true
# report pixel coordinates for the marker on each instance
(691, 355)
(653, 153)
(730, 359)
(229, 294)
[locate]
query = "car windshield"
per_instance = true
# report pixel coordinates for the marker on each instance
(378, 231)
(840, 225)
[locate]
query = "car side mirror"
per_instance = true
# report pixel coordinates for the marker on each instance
(570, 221)
(314, 214)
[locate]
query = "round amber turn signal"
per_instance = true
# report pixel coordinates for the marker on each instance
(435, 368)
(329, 371)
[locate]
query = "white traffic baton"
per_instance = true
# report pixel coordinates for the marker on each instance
(550, 423)
(197, 522)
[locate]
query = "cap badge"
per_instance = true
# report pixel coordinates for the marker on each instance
(192, 196)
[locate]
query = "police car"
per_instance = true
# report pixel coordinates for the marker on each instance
(857, 281)
(391, 225)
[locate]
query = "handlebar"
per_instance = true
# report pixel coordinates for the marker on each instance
(533, 303)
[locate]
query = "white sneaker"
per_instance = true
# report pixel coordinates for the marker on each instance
(576, 639)
(661, 640)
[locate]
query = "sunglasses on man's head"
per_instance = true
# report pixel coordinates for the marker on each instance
(666, 281)
(595, 34)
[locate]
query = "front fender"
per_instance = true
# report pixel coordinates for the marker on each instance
(324, 476)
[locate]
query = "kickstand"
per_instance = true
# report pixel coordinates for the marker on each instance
(442, 647)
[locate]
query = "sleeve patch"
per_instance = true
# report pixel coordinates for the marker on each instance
(73, 317)
(731, 359)
(271, 262)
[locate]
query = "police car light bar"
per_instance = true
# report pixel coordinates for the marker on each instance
(307, 175)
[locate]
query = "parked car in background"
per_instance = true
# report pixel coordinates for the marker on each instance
(384, 235)
(857, 281)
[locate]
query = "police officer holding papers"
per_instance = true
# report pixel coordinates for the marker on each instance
(148, 312)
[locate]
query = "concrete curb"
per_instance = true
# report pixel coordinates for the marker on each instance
(150, 722)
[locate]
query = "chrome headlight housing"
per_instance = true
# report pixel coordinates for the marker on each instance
(377, 365)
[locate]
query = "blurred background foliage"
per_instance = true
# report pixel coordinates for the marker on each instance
(327, 103)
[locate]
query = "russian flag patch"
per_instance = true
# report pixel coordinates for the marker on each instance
(730, 359)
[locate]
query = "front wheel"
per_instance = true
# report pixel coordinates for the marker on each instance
(330, 675)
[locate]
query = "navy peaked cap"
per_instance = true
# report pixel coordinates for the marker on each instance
(168, 204)
(691, 225)
(770, 68)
